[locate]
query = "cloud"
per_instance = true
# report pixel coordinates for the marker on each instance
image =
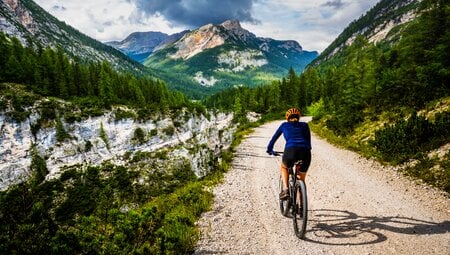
(195, 13)
(314, 24)
(335, 4)
(58, 8)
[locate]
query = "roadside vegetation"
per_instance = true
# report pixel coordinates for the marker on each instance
(389, 101)
(106, 210)
(148, 206)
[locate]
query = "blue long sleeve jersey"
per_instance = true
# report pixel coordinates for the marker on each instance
(296, 134)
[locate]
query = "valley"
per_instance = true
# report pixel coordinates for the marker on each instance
(155, 144)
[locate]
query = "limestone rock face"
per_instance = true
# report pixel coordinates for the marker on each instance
(87, 146)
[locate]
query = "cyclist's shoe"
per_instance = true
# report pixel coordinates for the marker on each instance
(284, 194)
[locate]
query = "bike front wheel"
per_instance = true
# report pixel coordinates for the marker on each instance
(300, 209)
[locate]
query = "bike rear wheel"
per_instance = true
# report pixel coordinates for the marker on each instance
(300, 209)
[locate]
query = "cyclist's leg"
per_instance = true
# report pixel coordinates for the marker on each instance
(302, 176)
(284, 171)
(304, 155)
(284, 175)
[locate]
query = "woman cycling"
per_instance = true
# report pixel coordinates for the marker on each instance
(298, 146)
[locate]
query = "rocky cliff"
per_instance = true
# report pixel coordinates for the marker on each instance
(381, 24)
(92, 141)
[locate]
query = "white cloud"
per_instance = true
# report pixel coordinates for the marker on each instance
(106, 20)
(314, 24)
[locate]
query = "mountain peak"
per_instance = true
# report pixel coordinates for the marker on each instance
(231, 24)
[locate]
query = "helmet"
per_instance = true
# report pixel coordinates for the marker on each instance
(293, 114)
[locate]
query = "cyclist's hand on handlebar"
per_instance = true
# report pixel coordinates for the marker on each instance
(274, 153)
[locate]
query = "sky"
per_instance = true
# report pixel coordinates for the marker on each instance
(312, 23)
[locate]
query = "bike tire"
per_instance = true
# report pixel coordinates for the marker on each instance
(300, 209)
(284, 204)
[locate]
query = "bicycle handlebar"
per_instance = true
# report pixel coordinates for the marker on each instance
(277, 153)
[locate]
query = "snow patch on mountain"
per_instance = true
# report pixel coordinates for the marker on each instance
(205, 81)
(236, 61)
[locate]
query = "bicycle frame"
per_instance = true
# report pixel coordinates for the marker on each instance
(296, 207)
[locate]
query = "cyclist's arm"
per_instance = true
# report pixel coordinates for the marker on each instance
(274, 139)
(308, 134)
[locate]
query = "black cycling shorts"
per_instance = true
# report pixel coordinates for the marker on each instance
(291, 155)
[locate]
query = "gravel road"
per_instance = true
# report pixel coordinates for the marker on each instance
(356, 206)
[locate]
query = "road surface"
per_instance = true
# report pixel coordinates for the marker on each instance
(356, 206)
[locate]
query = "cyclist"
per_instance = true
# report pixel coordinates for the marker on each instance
(298, 146)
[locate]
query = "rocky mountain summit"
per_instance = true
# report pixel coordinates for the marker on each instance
(229, 32)
(218, 56)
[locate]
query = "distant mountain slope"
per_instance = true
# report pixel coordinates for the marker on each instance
(27, 21)
(381, 23)
(214, 57)
(139, 45)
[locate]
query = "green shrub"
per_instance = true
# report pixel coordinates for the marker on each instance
(3, 104)
(87, 146)
(72, 117)
(344, 123)
(48, 110)
(432, 171)
(153, 132)
(123, 114)
(406, 138)
(317, 110)
(170, 130)
(104, 136)
(139, 136)
(38, 167)
(61, 133)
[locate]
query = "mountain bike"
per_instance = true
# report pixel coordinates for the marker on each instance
(296, 206)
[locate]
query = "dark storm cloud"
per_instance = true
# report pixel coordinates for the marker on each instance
(194, 13)
(336, 4)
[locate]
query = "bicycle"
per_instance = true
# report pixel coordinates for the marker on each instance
(296, 206)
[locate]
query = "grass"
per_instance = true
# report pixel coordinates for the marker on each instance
(432, 170)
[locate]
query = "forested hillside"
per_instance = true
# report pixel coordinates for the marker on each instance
(50, 72)
(32, 25)
(388, 100)
(145, 204)
(386, 18)
(391, 101)
(219, 56)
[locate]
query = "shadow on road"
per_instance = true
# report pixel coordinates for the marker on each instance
(337, 227)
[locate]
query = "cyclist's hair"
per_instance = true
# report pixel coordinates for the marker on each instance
(293, 115)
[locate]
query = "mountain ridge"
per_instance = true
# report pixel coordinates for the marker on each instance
(380, 24)
(218, 56)
(31, 24)
(139, 45)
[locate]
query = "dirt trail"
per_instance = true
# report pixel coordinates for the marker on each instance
(355, 207)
